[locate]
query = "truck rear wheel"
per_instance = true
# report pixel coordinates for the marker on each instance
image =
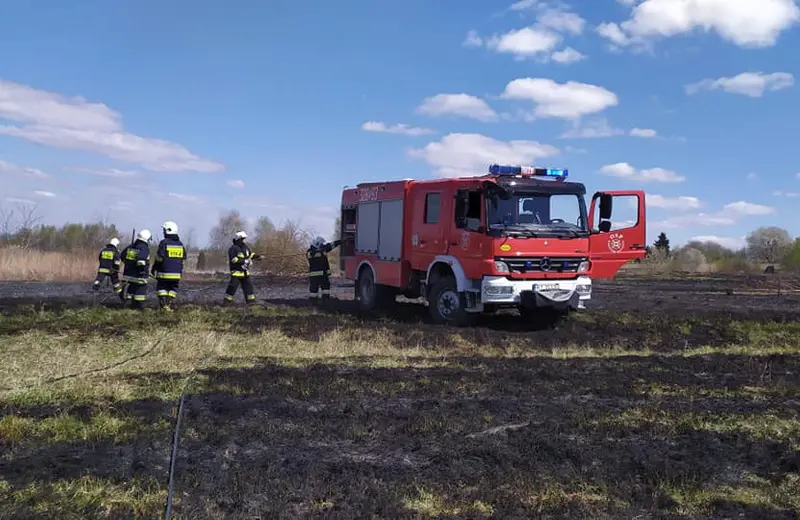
(445, 305)
(372, 296)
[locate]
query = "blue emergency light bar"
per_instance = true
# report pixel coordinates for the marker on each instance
(498, 169)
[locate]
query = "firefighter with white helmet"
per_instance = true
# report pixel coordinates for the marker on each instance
(109, 264)
(240, 258)
(319, 270)
(168, 265)
(136, 258)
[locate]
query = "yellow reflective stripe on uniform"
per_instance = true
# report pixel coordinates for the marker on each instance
(161, 292)
(139, 298)
(169, 276)
(238, 274)
(240, 255)
(316, 273)
(104, 270)
(172, 294)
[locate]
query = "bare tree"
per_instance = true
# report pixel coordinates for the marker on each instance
(190, 240)
(768, 244)
(20, 223)
(264, 226)
(222, 234)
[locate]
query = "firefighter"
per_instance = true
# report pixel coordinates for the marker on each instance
(168, 265)
(319, 270)
(135, 260)
(109, 264)
(240, 257)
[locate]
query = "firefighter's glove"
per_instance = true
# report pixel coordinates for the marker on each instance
(258, 257)
(246, 263)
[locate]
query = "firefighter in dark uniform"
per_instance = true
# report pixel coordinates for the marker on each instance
(136, 258)
(319, 269)
(168, 265)
(240, 258)
(109, 264)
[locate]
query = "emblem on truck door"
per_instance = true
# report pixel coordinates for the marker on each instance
(616, 242)
(465, 240)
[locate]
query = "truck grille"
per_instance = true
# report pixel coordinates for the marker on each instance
(542, 264)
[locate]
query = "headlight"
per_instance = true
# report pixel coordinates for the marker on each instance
(496, 290)
(583, 289)
(501, 267)
(584, 266)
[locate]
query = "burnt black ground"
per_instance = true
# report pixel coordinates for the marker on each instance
(737, 296)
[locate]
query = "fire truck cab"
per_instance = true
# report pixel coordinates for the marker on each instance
(518, 237)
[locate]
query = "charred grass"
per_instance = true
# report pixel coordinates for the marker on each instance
(301, 413)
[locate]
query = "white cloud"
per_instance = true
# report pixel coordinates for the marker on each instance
(73, 123)
(643, 132)
(236, 183)
(471, 154)
(680, 203)
(46, 194)
(538, 40)
(458, 105)
(7, 168)
(787, 194)
(562, 21)
(107, 172)
(590, 130)
(752, 84)
(729, 214)
(624, 170)
(185, 197)
(734, 243)
(747, 209)
(522, 5)
(17, 200)
(570, 100)
(752, 176)
(568, 55)
(400, 128)
(473, 39)
(743, 23)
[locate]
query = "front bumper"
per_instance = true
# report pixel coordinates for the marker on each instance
(536, 293)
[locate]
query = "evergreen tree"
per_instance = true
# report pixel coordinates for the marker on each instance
(662, 243)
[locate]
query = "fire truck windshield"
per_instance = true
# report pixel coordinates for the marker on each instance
(538, 214)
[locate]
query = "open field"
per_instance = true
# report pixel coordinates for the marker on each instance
(665, 399)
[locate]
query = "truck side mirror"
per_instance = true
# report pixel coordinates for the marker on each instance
(605, 206)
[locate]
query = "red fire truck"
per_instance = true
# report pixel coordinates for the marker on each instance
(518, 236)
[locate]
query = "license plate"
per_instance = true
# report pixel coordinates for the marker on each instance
(545, 287)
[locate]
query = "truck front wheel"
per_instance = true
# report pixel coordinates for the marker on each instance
(445, 305)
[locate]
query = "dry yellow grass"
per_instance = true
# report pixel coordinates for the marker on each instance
(28, 265)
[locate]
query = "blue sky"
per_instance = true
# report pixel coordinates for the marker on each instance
(144, 111)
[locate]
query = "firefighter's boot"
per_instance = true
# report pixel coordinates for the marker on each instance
(96, 285)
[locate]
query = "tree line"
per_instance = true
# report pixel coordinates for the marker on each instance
(764, 248)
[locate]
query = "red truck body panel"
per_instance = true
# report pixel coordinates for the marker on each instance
(397, 238)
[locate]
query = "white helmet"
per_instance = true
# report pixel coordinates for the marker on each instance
(144, 235)
(318, 242)
(240, 235)
(170, 228)
(114, 241)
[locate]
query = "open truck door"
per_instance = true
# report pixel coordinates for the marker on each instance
(615, 241)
